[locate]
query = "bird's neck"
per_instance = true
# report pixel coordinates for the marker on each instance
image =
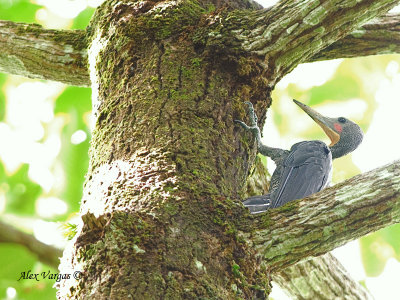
(342, 148)
(346, 144)
(337, 151)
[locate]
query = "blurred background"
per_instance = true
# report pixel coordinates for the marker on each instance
(45, 137)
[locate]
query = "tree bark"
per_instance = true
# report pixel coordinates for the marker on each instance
(161, 212)
(316, 225)
(67, 62)
(322, 278)
(380, 36)
(32, 51)
(292, 32)
(164, 160)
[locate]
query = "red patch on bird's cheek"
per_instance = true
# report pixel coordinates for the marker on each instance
(338, 127)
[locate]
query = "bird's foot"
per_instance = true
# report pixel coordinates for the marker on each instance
(257, 204)
(253, 127)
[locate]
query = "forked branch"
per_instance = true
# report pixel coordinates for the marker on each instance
(61, 55)
(328, 219)
(293, 32)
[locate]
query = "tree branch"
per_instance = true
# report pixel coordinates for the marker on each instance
(32, 51)
(45, 253)
(382, 36)
(60, 55)
(322, 278)
(292, 32)
(328, 219)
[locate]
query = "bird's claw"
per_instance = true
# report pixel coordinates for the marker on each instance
(252, 115)
(249, 104)
(242, 124)
(253, 120)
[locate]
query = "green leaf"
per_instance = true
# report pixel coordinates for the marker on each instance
(3, 78)
(375, 251)
(21, 192)
(75, 102)
(391, 236)
(378, 247)
(74, 99)
(18, 11)
(15, 259)
(82, 20)
(338, 88)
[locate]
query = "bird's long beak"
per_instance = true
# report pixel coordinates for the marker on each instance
(327, 124)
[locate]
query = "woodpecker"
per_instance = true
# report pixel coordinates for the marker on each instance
(307, 167)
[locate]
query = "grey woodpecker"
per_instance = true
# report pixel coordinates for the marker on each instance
(306, 168)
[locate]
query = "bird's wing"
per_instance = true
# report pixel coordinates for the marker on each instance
(306, 171)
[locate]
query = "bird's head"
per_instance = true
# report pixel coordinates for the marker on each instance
(344, 134)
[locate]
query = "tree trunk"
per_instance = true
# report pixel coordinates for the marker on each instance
(161, 212)
(166, 162)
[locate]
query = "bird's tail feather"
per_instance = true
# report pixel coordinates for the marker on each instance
(257, 204)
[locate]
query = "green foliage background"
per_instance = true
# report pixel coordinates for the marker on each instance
(72, 107)
(356, 78)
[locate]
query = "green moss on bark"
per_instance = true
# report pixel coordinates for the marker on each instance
(167, 163)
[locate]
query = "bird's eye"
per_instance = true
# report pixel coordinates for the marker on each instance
(342, 120)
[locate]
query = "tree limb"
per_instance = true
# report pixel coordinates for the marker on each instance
(328, 219)
(61, 55)
(292, 32)
(45, 253)
(322, 278)
(32, 51)
(382, 36)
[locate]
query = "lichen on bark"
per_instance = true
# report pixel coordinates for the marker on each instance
(161, 212)
(163, 172)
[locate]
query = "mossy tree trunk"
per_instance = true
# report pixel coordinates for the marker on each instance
(161, 212)
(167, 163)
